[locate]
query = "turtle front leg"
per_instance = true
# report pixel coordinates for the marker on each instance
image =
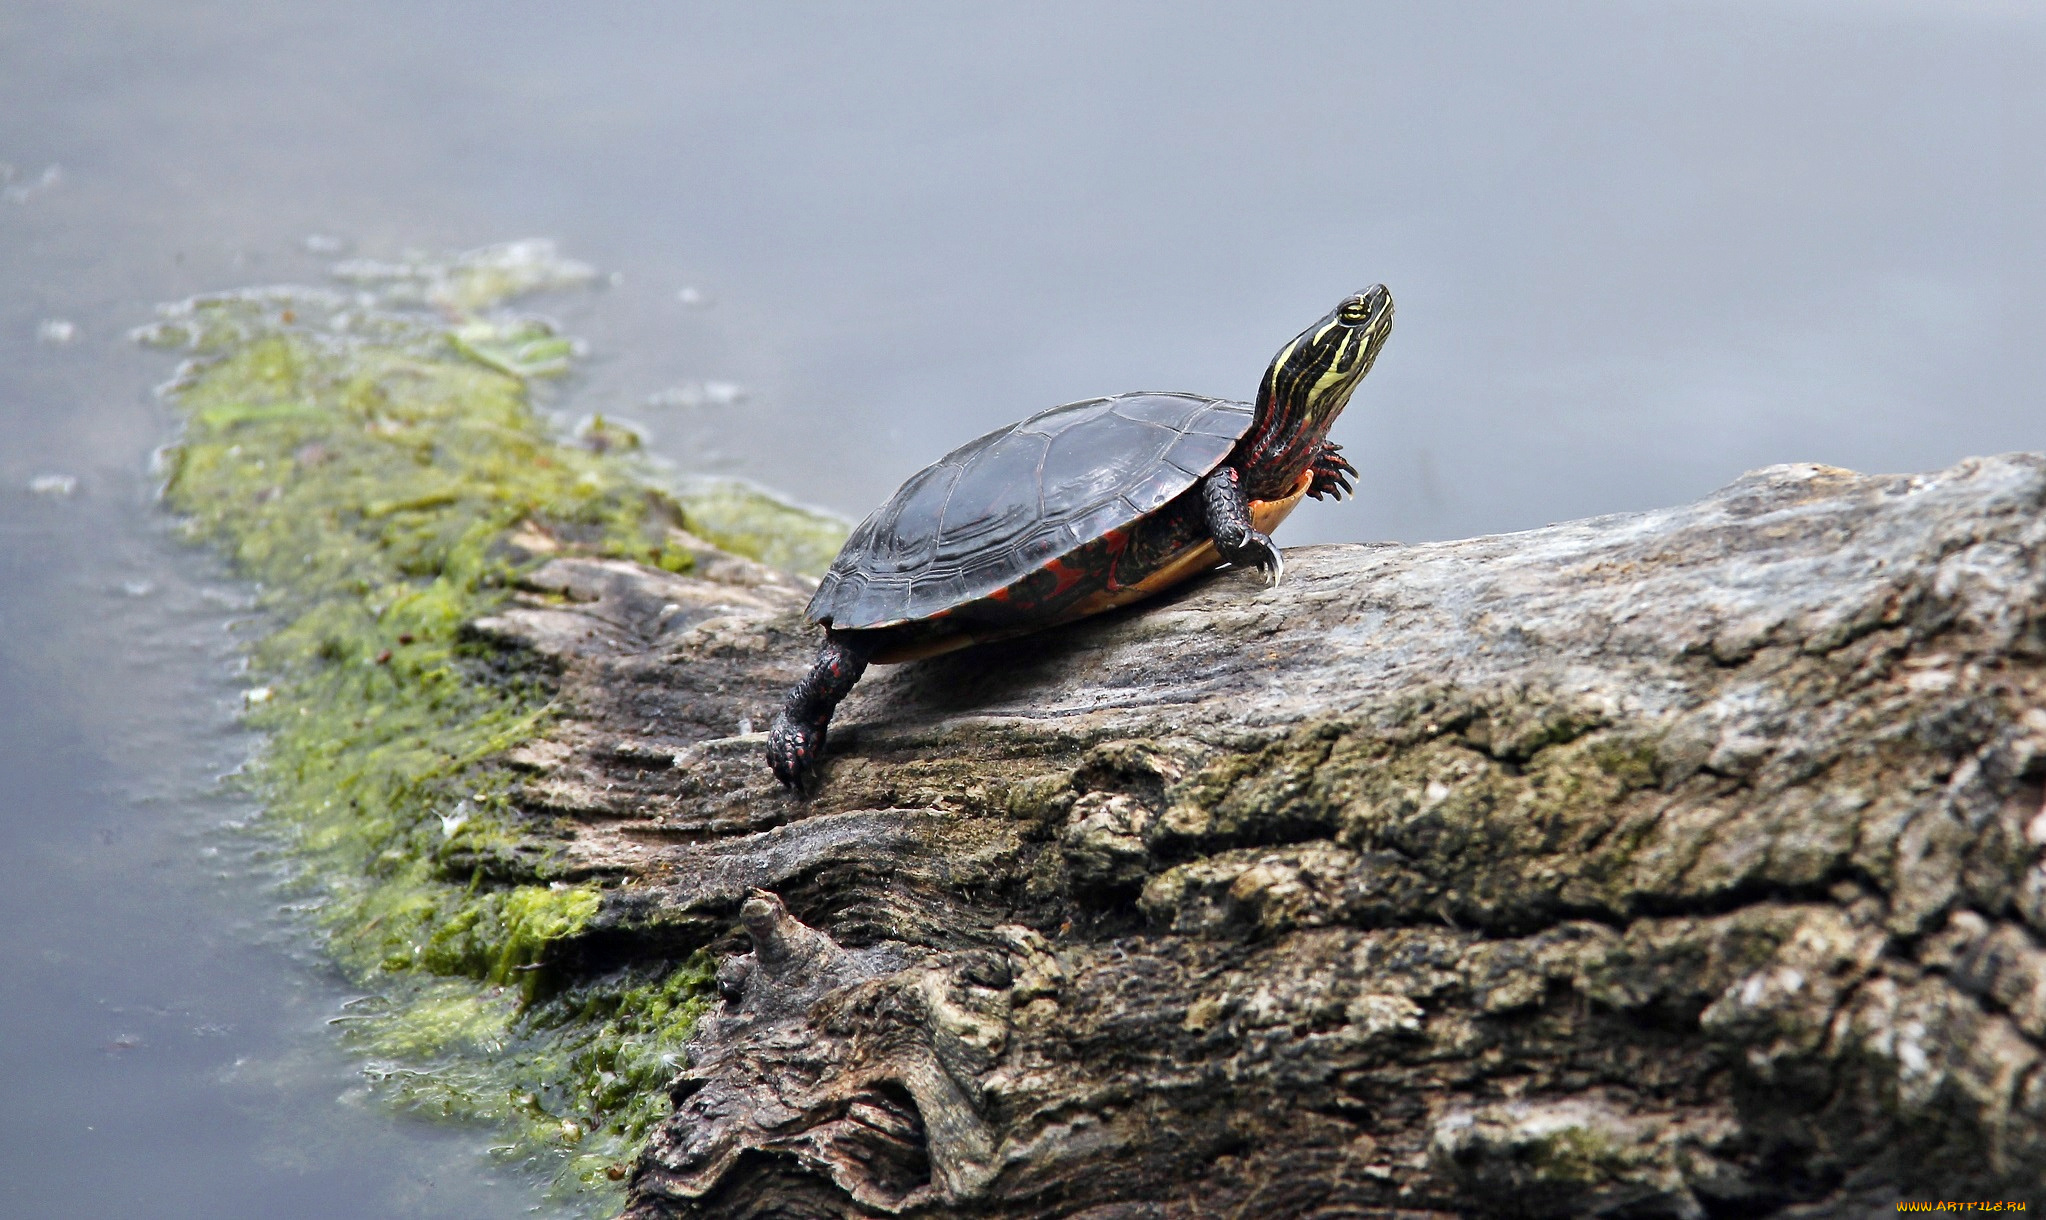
(1332, 473)
(1239, 541)
(795, 742)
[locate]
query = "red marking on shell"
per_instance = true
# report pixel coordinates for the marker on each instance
(1063, 576)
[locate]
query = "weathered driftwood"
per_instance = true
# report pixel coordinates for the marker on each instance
(1671, 864)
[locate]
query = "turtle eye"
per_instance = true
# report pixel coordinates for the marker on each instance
(1353, 311)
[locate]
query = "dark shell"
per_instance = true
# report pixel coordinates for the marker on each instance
(994, 510)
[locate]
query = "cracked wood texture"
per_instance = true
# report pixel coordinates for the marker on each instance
(1683, 863)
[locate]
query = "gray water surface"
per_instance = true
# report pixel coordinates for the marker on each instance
(1637, 250)
(164, 1044)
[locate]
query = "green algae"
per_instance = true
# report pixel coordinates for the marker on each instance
(380, 474)
(463, 285)
(741, 518)
(1575, 1156)
(576, 1082)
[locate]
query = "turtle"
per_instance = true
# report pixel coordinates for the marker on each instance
(1077, 509)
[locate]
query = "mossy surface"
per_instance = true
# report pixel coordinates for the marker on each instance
(366, 467)
(742, 519)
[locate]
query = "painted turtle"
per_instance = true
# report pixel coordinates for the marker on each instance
(1086, 506)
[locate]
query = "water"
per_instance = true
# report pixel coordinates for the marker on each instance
(165, 1046)
(1636, 249)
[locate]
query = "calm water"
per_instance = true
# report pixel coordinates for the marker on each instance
(1637, 250)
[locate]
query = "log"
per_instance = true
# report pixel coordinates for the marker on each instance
(1681, 863)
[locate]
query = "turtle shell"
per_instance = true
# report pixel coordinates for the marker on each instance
(999, 508)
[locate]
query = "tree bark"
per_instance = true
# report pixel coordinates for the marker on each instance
(1684, 863)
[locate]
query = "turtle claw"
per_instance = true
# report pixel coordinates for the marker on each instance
(1332, 473)
(792, 752)
(1259, 549)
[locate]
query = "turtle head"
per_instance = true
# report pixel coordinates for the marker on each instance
(1311, 379)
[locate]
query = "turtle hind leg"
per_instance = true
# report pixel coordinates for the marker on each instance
(795, 742)
(1228, 513)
